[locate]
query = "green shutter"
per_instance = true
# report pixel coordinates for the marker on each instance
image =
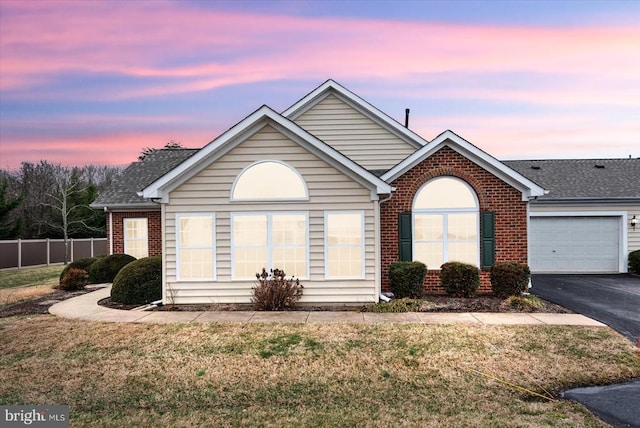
(404, 237)
(488, 247)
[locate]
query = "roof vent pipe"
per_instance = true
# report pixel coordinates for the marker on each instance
(406, 117)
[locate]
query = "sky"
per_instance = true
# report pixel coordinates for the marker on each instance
(95, 82)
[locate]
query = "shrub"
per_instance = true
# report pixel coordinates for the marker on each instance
(406, 279)
(395, 306)
(634, 261)
(274, 292)
(459, 279)
(106, 268)
(79, 264)
(139, 282)
(524, 303)
(509, 279)
(75, 279)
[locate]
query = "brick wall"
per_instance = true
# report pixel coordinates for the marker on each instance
(154, 223)
(493, 194)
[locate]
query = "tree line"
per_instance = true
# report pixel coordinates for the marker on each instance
(49, 200)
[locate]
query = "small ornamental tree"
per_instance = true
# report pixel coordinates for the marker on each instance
(274, 292)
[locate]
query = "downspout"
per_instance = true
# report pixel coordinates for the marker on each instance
(164, 245)
(529, 239)
(378, 282)
(106, 210)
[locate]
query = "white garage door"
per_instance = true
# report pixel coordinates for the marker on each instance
(575, 244)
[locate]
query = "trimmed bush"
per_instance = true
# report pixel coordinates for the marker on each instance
(106, 268)
(83, 264)
(459, 279)
(274, 292)
(75, 279)
(509, 279)
(634, 261)
(139, 282)
(406, 279)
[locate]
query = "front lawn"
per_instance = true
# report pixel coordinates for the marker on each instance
(27, 283)
(25, 277)
(307, 374)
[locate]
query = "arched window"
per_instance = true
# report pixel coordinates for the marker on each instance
(445, 223)
(269, 180)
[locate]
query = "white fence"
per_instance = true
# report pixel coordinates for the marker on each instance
(37, 252)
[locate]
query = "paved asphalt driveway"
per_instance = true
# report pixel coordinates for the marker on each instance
(615, 301)
(611, 299)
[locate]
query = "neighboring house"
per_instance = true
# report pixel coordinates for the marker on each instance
(332, 191)
(584, 224)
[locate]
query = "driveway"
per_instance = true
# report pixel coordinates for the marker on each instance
(610, 299)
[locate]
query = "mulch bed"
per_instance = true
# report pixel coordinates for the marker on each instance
(437, 303)
(39, 305)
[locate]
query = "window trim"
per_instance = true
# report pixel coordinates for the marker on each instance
(445, 221)
(213, 246)
(124, 233)
(233, 198)
(327, 246)
(269, 215)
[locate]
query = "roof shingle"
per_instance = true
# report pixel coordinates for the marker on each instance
(583, 179)
(124, 190)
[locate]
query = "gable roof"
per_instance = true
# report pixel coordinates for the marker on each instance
(359, 104)
(448, 138)
(582, 180)
(123, 192)
(260, 118)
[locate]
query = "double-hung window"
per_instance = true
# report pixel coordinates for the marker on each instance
(136, 237)
(195, 247)
(446, 225)
(344, 244)
(269, 240)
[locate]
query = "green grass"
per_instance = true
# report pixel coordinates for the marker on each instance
(320, 375)
(26, 277)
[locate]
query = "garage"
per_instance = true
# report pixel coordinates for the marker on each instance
(589, 244)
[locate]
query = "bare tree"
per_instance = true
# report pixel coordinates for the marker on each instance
(34, 182)
(67, 200)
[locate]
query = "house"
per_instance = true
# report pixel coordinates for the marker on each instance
(584, 224)
(332, 190)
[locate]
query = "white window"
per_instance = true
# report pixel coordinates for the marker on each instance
(136, 237)
(269, 180)
(195, 247)
(344, 244)
(269, 240)
(445, 223)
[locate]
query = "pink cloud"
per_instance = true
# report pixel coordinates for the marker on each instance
(517, 137)
(203, 49)
(110, 148)
(171, 48)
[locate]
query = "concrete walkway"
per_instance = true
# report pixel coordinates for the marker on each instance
(85, 307)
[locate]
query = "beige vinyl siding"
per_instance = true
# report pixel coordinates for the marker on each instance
(633, 237)
(210, 190)
(353, 134)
